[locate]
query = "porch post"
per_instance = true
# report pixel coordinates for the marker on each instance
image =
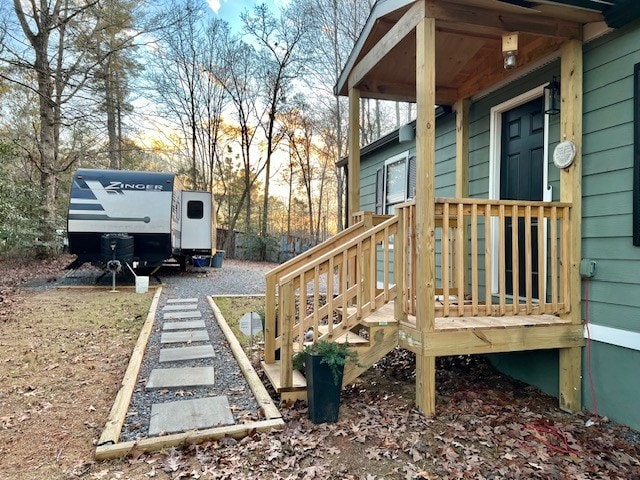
(354, 153)
(570, 191)
(425, 209)
(461, 108)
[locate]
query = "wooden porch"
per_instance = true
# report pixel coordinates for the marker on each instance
(435, 275)
(360, 287)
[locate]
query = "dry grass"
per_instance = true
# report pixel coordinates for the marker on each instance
(62, 357)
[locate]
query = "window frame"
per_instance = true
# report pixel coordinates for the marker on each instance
(190, 211)
(389, 161)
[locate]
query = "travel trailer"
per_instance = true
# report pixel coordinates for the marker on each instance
(119, 217)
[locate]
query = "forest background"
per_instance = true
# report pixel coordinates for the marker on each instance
(246, 112)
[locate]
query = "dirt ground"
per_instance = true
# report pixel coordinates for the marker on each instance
(63, 354)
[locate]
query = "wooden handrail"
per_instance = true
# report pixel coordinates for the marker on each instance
(364, 220)
(349, 273)
(344, 246)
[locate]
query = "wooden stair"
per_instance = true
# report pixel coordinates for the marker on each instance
(381, 337)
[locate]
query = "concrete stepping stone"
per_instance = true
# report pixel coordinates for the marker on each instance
(182, 300)
(184, 336)
(185, 415)
(184, 325)
(192, 314)
(186, 353)
(180, 377)
(180, 307)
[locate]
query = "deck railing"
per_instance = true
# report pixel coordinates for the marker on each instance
(494, 257)
(361, 222)
(342, 280)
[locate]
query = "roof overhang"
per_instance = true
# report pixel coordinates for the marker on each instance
(469, 36)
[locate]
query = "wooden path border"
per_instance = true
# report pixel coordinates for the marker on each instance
(108, 446)
(112, 428)
(259, 391)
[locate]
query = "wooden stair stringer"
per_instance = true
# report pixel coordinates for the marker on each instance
(382, 339)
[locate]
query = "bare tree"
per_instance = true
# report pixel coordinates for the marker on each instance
(185, 78)
(278, 39)
(238, 73)
(299, 130)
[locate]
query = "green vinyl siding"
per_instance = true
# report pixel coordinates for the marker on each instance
(614, 299)
(607, 183)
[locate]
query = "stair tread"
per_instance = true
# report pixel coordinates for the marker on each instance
(350, 337)
(273, 373)
(385, 315)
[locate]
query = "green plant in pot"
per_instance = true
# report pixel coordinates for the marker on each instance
(322, 363)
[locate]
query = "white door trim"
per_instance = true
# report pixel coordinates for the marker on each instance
(495, 150)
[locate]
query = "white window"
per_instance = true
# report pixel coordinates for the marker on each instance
(395, 182)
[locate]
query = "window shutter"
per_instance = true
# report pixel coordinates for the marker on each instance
(411, 177)
(379, 190)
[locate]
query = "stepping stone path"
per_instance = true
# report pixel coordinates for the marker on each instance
(184, 325)
(190, 314)
(186, 353)
(185, 336)
(185, 415)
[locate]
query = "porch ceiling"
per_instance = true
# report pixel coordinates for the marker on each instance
(468, 44)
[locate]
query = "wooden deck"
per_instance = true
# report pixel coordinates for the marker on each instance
(479, 335)
(452, 336)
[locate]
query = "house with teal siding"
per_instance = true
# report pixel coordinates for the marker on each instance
(505, 220)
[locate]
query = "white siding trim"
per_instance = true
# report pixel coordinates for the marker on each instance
(495, 142)
(614, 336)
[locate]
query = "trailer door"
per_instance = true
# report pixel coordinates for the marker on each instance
(196, 228)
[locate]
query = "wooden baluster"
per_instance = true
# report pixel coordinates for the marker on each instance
(316, 299)
(460, 273)
(385, 263)
(270, 320)
(330, 284)
(474, 260)
(488, 260)
(399, 266)
(528, 259)
(446, 260)
(345, 299)
(374, 272)
(542, 259)
(553, 242)
(515, 259)
(413, 260)
(302, 312)
(287, 309)
(502, 261)
(360, 278)
(566, 259)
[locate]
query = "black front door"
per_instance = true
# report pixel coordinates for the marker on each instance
(521, 178)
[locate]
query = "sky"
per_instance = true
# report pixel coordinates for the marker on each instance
(230, 10)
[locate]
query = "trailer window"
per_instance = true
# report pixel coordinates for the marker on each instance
(195, 209)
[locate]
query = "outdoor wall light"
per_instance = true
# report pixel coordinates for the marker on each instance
(510, 50)
(552, 97)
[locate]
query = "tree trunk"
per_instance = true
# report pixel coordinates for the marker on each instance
(110, 107)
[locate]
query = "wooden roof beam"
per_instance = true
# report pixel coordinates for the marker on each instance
(393, 37)
(464, 18)
(401, 92)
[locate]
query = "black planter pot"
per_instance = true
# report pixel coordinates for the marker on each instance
(323, 393)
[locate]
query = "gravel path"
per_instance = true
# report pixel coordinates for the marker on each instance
(235, 277)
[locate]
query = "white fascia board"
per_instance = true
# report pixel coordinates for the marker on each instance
(614, 336)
